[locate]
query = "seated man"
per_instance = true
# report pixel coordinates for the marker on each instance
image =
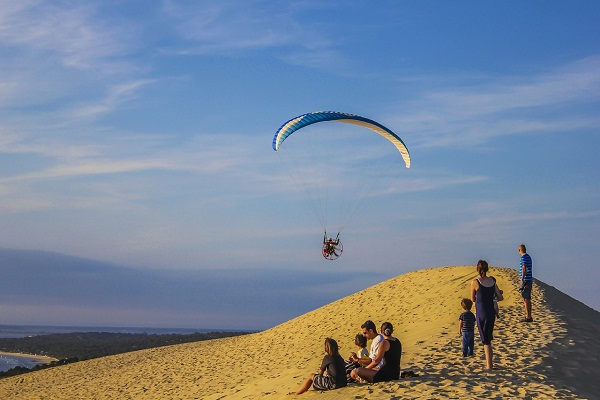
(370, 332)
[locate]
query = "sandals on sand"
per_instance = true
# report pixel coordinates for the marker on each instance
(526, 320)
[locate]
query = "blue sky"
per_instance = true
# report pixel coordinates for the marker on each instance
(140, 135)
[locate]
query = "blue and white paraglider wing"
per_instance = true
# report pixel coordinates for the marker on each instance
(301, 121)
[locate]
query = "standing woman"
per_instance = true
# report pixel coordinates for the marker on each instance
(483, 290)
(390, 349)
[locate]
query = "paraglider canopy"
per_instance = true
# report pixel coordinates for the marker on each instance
(301, 121)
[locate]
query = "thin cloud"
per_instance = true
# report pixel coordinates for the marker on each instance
(115, 96)
(91, 168)
(230, 28)
(202, 158)
(73, 33)
(577, 82)
(435, 182)
(513, 218)
(506, 106)
(494, 222)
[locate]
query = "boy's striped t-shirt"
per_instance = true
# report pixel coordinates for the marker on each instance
(468, 319)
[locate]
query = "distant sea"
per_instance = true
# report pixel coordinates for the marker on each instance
(21, 331)
(8, 361)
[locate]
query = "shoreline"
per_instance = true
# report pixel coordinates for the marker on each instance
(45, 359)
(13, 360)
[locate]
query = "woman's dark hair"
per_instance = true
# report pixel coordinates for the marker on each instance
(360, 340)
(387, 328)
(331, 347)
(482, 267)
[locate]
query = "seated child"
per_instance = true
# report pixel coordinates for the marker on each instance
(352, 362)
(466, 328)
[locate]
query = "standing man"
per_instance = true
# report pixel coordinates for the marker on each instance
(525, 271)
(369, 331)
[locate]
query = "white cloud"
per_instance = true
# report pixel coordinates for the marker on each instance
(114, 97)
(202, 156)
(577, 82)
(232, 27)
(433, 182)
(476, 113)
(73, 33)
(227, 26)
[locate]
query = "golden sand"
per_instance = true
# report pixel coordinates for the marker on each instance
(555, 357)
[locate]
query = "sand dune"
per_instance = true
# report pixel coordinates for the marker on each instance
(556, 356)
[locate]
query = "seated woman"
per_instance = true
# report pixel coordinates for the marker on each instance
(390, 350)
(333, 364)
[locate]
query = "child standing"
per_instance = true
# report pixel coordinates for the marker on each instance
(466, 327)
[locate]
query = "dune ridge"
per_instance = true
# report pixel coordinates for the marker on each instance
(556, 356)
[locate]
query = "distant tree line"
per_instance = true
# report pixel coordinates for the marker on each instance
(79, 346)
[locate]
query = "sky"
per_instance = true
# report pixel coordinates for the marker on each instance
(137, 136)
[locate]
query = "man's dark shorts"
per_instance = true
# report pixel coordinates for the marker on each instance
(526, 292)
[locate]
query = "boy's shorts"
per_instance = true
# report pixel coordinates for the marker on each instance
(322, 382)
(526, 292)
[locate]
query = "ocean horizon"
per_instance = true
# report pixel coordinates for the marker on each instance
(21, 331)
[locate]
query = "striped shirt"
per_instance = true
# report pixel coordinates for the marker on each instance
(528, 264)
(468, 321)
